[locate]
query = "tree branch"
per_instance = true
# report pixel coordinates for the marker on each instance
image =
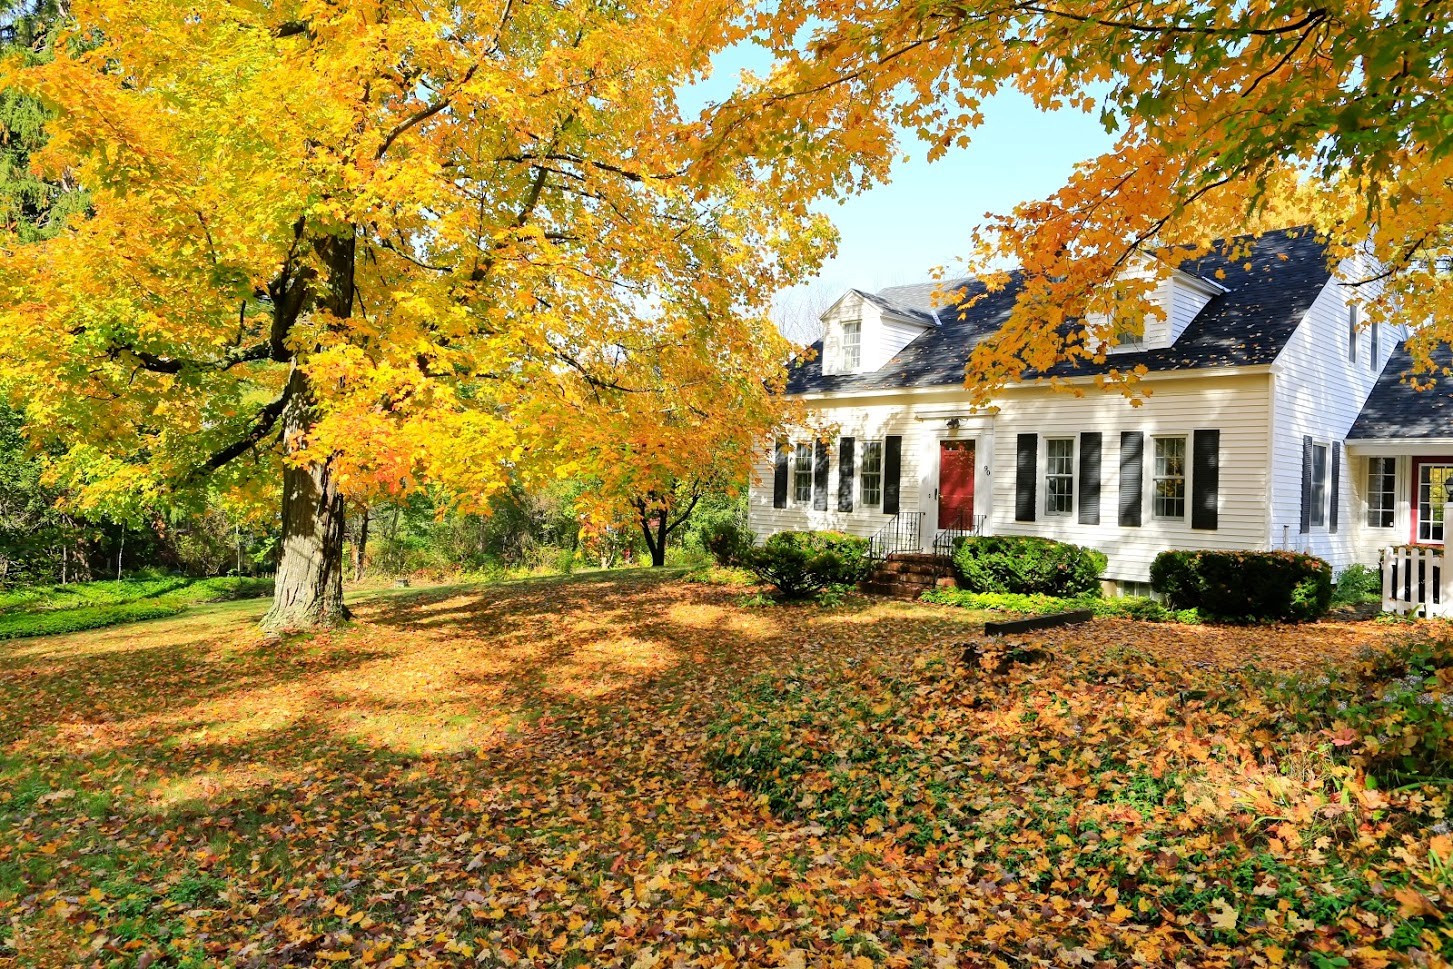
(262, 425)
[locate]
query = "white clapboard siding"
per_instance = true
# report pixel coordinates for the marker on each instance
(920, 420)
(1236, 405)
(1319, 392)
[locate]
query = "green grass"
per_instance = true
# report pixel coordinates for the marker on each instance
(53, 610)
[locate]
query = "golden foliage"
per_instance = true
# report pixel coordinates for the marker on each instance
(475, 227)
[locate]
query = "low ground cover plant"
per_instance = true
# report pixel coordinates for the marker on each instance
(1021, 565)
(52, 610)
(1244, 586)
(1123, 607)
(802, 564)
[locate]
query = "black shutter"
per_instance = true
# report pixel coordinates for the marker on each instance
(1090, 478)
(892, 468)
(1205, 478)
(779, 476)
(1132, 460)
(1306, 484)
(845, 471)
(1336, 481)
(819, 476)
(1025, 477)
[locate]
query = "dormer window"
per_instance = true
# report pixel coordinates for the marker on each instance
(1128, 337)
(853, 345)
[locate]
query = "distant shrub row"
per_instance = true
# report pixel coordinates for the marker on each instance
(1028, 574)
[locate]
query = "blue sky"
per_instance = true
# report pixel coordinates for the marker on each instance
(900, 231)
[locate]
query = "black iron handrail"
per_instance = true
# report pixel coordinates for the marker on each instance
(962, 525)
(901, 533)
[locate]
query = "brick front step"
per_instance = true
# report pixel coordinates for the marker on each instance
(905, 576)
(894, 590)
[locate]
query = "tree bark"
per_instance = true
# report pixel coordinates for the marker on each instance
(308, 593)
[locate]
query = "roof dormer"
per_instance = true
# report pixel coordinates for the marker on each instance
(1174, 299)
(863, 331)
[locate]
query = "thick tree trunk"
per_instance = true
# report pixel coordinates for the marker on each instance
(309, 589)
(308, 593)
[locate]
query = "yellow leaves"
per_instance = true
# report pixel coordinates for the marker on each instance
(1223, 916)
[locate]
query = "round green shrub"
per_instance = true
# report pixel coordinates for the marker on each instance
(1027, 566)
(1240, 586)
(800, 564)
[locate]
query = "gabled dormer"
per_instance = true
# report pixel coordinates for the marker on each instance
(1175, 301)
(862, 331)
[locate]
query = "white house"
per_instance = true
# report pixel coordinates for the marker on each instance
(1276, 420)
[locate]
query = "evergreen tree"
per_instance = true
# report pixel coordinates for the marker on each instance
(30, 206)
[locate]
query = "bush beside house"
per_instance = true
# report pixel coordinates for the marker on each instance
(801, 564)
(1022, 565)
(1244, 586)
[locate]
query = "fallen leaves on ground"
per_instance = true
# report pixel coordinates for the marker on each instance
(539, 773)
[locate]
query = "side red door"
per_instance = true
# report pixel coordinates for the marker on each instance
(955, 483)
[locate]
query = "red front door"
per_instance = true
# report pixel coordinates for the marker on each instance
(955, 484)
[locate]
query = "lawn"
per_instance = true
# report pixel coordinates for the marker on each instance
(628, 769)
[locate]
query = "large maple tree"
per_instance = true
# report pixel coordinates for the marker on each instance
(1229, 118)
(354, 246)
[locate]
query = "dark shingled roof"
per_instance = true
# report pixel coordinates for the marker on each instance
(1395, 409)
(1246, 326)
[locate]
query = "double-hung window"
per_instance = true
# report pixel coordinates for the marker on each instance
(871, 474)
(1381, 492)
(1059, 478)
(852, 345)
(1168, 485)
(1352, 333)
(802, 474)
(1318, 515)
(1376, 340)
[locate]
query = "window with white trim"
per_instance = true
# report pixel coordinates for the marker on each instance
(802, 474)
(1376, 339)
(1434, 482)
(871, 475)
(1381, 492)
(1059, 477)
(1352, 332)
(1320, 464)
(852, 345)
(1168, 483)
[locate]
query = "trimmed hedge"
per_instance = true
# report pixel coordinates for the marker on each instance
(800, 564)
(1245, 586)
(1027, 566)
(1124, 607)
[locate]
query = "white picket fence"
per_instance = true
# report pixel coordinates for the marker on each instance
(1416, 578)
